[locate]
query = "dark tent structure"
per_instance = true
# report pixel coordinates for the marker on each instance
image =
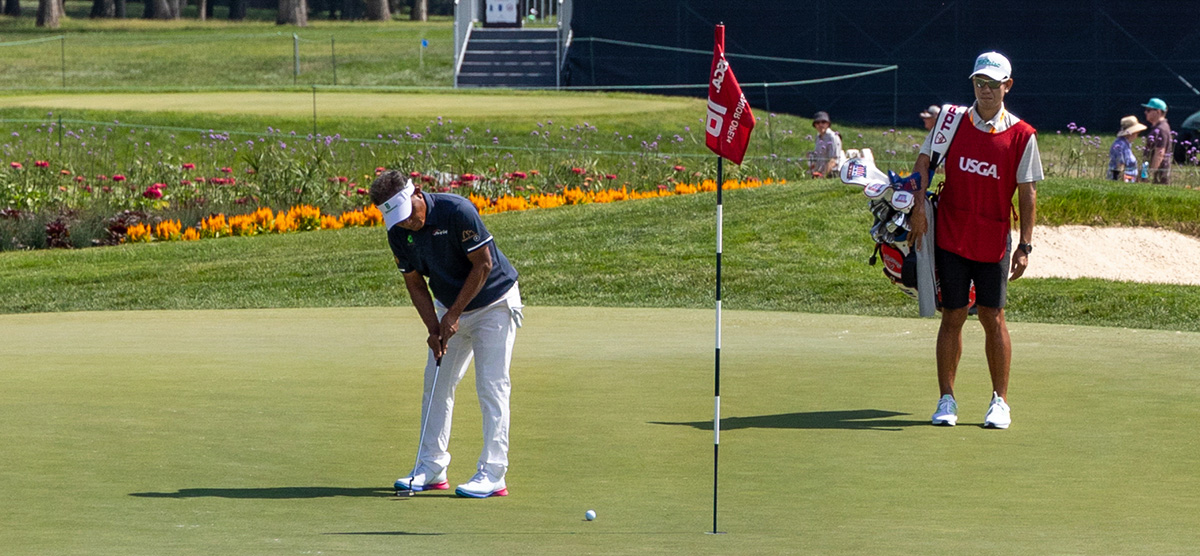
(1083, 61)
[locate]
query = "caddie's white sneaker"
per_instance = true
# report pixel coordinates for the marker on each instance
(947, 412)
(482, 485)
(422, 479)
(998, 415)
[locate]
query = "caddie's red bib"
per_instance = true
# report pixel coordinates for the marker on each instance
(975, 204)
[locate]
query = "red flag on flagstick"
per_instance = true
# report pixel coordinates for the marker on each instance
(729, 119)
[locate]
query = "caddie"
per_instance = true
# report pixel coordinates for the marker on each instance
(989, 154)
(474, 311)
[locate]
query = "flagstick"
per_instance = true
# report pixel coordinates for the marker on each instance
(717, 369)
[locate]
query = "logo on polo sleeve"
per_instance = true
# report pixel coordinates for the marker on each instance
(470, 235)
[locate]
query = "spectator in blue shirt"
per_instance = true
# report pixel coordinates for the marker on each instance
(1120, 155)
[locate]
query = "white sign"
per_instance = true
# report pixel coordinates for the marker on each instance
(501, 11)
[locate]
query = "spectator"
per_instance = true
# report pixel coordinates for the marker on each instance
(930, 115)
(825, 159)
(1158, 142)
(1120, 155)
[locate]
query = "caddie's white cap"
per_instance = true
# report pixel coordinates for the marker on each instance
(993, 65)
(398, 208)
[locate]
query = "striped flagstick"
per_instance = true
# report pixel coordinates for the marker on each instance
(727, 127)
(717, 369)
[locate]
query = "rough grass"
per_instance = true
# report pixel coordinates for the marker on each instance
(797, 247)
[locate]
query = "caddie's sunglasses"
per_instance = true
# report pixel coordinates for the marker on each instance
(981, 83)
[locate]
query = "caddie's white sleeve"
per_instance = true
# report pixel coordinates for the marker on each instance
(927, 145)
(1030, 168)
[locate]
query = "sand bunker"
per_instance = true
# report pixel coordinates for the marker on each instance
(1149, 255)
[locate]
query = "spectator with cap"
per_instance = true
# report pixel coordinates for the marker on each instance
(1120, 155)
(930, 115)
(1158, 148)
(825, 159)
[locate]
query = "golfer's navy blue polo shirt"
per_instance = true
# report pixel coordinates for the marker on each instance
(439, 250)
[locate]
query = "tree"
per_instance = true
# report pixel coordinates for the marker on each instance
(237, 10)
(120, 13)
(49, 13)
(420, 10)
(378, 10)
(12, 7)
(292, 12)
(103, 8)
(202, 13)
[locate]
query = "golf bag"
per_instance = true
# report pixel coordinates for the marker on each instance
(892, 199)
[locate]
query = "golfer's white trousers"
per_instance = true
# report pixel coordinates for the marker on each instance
(485, 334)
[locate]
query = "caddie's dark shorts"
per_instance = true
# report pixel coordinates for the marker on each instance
(955, 274)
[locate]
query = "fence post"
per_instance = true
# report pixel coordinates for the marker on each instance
(333, 56)
(767, 102)
(63, 52)
(295, 58)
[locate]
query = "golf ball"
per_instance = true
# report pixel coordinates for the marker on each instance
(590, 515)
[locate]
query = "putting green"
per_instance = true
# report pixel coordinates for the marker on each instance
(348, 104)
(280, 431)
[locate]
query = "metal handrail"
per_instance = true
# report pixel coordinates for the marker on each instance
(466, 13)
(564, 39)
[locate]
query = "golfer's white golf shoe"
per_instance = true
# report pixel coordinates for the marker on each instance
(482, 485)
(998, 415)
(947, 412)
(423, 479)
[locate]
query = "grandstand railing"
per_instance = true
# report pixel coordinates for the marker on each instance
(564, 39)
(466, 13)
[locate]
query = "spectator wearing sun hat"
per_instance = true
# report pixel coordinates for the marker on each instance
(1158, 142)
(827, 157)
(1120, 154)
(929, 116)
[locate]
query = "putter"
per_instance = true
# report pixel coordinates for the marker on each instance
(424, 423)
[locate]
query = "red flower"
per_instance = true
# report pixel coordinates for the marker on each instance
(101, 177)
(343, 179)
(200, 179)
(42, 164)
(118, 177)
(16, 165)
(106, 189)
(185, 182)
(87, 188)
(469, 177)
(189, 166)
(78, 178)
(414, 174)
(362, 191)
(662, 187)
(520, 175)
(610, 176)
(250, 171)
(534, 173)
(227, 170)
(153, 192)
(579, 171)
(65, 172)
(380, 170)
(679, 168)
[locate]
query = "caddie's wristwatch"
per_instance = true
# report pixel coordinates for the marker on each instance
(1025, 247)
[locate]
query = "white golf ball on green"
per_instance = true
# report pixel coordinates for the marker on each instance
(590, 515)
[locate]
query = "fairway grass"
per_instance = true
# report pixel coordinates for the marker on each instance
(361, 104)
(280, 431)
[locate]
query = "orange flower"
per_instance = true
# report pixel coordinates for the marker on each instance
(167, 230)
(330, 222)
(139, 233)
(190, 234)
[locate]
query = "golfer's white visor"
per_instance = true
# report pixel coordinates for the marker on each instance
(398, 208)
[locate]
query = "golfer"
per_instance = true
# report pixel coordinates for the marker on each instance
(474, 311)
(992, 155)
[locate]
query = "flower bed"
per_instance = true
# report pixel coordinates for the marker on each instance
(306, 218)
